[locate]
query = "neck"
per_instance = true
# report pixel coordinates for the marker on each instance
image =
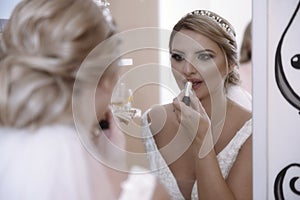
(215, 106)
(215, 102)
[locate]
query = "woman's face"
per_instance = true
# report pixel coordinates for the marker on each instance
(198, 59)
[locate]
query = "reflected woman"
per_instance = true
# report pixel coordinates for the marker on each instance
(202, 151)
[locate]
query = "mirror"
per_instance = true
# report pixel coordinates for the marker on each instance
(163, 15)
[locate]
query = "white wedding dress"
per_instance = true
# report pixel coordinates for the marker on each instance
(51, 163)
(226, 157)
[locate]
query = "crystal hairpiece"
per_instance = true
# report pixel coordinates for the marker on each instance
(105, 10)
(215, 18)
(104, 3)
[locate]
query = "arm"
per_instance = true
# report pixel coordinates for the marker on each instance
(240, 176)
(210, 181)
(211, 184)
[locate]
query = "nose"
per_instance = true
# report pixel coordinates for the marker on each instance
(188, 68)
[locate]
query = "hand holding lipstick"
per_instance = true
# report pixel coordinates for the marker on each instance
(193, 120)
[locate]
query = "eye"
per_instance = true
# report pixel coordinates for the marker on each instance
(177, 57)
(205, 56)
(295, 61)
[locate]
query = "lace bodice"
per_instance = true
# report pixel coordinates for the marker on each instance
(159, 167)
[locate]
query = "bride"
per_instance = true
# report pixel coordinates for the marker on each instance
(202, 151)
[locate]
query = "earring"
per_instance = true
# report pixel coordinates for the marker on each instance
(96, 131)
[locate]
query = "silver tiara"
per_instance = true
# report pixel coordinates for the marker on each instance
(215, 18)
(104, 3)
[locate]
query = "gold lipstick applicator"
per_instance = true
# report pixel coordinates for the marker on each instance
(186, 99)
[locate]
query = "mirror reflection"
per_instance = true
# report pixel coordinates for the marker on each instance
(182, 144)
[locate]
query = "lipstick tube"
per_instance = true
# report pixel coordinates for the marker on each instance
(186, 99)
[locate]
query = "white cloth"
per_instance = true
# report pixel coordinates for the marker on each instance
(139, 185)
(159, 167)
(51, 163)
(239, 95)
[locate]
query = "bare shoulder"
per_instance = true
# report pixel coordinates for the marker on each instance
(238, 114)
(240, 176)
(236, 117)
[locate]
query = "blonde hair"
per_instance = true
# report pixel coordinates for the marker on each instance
(246, 48)
(218, 30)
(42, 47)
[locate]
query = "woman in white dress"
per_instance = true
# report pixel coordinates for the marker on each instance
(204, 150)
(43, 109)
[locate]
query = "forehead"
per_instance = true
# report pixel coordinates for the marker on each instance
(187, 40)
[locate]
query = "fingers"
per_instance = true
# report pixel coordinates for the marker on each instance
(181, 109)
(176, 104)
(197, 105)
(177, 109)
(194, 102)
(184, 111)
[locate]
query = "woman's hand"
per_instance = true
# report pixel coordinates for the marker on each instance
(194, 123)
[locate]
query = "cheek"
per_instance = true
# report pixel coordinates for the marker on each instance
(179, 77)
(223, 69)
(221, 62)
(214, 70)
(177, 66)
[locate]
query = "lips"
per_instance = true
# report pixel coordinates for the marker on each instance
(196, 83)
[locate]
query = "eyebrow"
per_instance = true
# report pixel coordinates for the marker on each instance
(197, 52)
(205, 50)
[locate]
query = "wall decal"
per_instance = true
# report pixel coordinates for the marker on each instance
(279, 192)
(283, 83)
(289, 53)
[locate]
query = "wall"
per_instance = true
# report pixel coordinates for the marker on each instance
(130, 15)
(133, 18)
(276, 95)
(5, 11)
(7, 7)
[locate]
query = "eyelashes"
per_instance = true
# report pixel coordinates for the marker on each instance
(177, 57)
(205, 56)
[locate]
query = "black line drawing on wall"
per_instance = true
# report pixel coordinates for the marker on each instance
(281, 178)
(291, 95)
(283, 83)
